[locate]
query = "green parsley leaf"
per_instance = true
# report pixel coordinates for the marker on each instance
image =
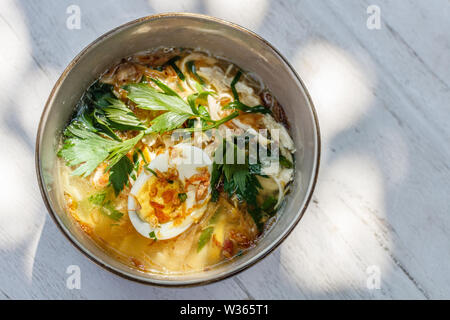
(179, 111)
(98, 93)
(149, 98)
(84, 148)
(88, 149)
(168, 121)
(238, 179)
(119, 150)
(89, 139)
(103, 113)
(104, 126)
(119, 173)
(136, 163)
(121, 117)
(152, 235)
(205, 236)
(182, 197)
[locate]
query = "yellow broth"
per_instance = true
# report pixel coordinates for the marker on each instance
(225, 231)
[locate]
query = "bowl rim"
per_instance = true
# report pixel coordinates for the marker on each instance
(164, 282)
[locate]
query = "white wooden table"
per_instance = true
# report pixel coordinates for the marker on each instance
(383, 198)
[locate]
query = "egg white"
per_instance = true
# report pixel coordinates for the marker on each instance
(186, 159)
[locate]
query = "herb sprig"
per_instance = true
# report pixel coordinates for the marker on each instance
(91, 138)
(238, 179)
(178, 110)
(152, 235)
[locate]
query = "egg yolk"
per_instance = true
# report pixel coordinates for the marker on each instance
(161, 199)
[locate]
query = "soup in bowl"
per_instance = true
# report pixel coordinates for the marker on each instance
(178, 149)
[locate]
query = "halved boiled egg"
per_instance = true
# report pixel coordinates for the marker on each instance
(171, 193)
